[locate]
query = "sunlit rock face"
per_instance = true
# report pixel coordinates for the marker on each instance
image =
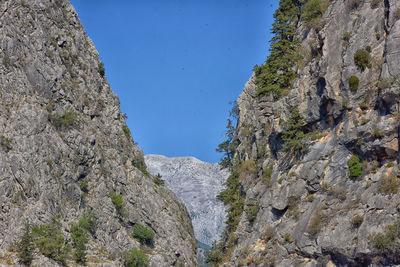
(197, 184)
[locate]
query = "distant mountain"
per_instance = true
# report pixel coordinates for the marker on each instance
(197, 184)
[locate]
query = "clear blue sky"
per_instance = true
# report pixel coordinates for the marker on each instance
(176, 65)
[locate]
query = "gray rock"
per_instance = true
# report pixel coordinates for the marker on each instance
(197, 184)
(50, 67)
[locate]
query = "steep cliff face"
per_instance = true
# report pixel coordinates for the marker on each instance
(197, 183)
(301, 209)
(66, 151)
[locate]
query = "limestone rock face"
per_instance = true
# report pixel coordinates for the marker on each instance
(311, 201)
(65, 145)
(197, 184)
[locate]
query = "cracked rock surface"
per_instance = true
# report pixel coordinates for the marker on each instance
(65, 145)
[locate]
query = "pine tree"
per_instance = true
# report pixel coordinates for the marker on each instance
(226, 147)
(276, 75)
(25, 246)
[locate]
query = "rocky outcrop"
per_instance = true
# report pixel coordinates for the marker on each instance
(197, 184)
(311, 212)
(65, 148)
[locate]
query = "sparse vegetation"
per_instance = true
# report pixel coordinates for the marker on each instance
(102, 70)
(157, 180)
(268, 234)
(67, 120)
(375, 3)
(6, 61)
(317, 222)
(143, 234)
(353, 83)
(354, 167)
(384, 84)
(362, 59)
(266, 177)
(378, 36)
(5, 143)
(377, 133)
(252, 210)
(347, 36)
(389, 239)
(118, 202)
(141, 168)
(357, 221)
(248, 167)
(389, 184)
(127, 132)
(135, 258)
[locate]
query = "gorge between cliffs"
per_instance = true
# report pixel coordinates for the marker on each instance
(308, 174)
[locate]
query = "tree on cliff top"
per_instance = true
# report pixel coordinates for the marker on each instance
(276, 75)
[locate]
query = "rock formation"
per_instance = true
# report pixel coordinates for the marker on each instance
(67, 154)
(197, 184)
(337, 202)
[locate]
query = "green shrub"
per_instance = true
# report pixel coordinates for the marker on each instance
(102, 70)
(313, 10)
(317, 222)
(25, 246)
(294, 135)
(368, 49)
(365, 121)
(354, 167)
(6, 61)
(378, 36)
(390, 165)
(252, 210)
(214, 255)
(377, 133)
(248, 167)
(64, 121)
(266, 177)
(389, 239)
(357, 221)
(143, 234)
(347, 36)
(49, 239)
(268, 234)
(5, 143)
(127, 132)
(141, 168)
(362, 59)
(84, 186)
(157, 180)
(353, 83)
(375, 3)
(389, 184)
(135, 258)
(118, 202)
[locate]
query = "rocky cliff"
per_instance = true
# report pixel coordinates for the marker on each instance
(317, 167)
(197, 184)
(69, 167)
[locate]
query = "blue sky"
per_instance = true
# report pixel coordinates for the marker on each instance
(176, 65)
